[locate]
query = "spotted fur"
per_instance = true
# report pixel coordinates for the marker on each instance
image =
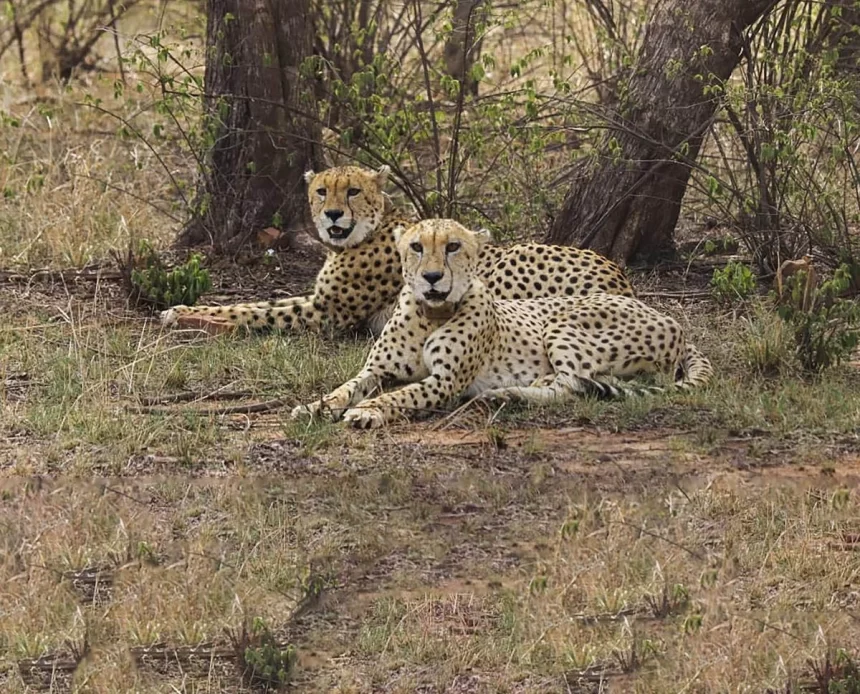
(450, 336)
(359, 283)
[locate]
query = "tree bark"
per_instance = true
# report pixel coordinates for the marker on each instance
(264, 135)
(624, 203)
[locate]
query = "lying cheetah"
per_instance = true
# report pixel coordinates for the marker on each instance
(361, 278)
(449, 336)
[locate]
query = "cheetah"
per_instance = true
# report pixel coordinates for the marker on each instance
(451, 336)
(360, 281)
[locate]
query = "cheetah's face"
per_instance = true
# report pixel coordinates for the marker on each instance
(346, 203)
(439, 258)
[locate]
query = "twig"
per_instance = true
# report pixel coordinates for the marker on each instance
(177, 187)
(657, 536)
(692, 294)
(191, 396)
(250, 408)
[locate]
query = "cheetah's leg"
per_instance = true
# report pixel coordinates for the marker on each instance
(171, 315)
(335, 403)
(429, 393)
(445, 380)
(296, 313)
(379, 366)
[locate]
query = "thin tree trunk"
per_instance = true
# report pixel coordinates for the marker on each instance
(846, 38)
(625, 203)
(264, 136)
(463, 47)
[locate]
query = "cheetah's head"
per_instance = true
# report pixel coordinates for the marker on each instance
(439, 259)
(347, 204)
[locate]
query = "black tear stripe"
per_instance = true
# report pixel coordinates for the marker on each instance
(348, 205)
(445, 260)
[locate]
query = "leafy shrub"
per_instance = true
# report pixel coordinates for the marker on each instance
(782, 165)
(735, 281)
(827, 329)
(151, 283)
(266, 664)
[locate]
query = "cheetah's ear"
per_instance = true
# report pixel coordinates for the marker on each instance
(482, 236)
(398, 232)
(381, 175)
(309, 175)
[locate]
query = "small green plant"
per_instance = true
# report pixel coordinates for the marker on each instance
(151, 283)
(668, 600)
(267, 664)
(826, 328)
(734, 282)
(836, 673)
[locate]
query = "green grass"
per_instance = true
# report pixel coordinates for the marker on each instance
(80, 401)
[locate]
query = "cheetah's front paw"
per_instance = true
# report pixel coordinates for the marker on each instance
(309, 411)
(365, 417)
(334, 406)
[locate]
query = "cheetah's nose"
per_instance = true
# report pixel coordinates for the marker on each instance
(334, 215)
(432, 277)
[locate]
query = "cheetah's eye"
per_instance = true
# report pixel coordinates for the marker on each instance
(453, 247)
(321, 192)
(415, 246)
(352, 192)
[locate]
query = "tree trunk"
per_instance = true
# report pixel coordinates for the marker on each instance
(846, 38)
(463, 47)
(264, 135)
(625, 203)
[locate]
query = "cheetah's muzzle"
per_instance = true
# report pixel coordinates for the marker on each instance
(435, 296)
(340, 233)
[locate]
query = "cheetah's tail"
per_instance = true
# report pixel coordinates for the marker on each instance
(694, 371)
(169, 317)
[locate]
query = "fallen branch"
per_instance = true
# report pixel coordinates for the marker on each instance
(250, 408)
(192, 396)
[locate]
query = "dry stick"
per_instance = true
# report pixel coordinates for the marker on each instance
(250, 408)
(191, 396)
(88, 275)
(657, 536)
(445, 421)
(693, 294)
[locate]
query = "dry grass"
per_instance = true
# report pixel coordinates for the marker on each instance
(73, 185)
(442, 574)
